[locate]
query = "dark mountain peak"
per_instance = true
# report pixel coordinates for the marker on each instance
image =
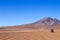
(47, 18)
(48, 21)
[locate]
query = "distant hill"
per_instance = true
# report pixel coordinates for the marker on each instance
(44, 23)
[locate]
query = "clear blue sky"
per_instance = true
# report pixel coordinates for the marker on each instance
(17, 12)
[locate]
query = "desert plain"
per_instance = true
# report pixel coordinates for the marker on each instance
(34, 34)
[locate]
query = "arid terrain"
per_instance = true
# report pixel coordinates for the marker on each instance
(40, 30)
(30, 35)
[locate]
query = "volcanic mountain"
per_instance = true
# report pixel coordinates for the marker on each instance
(44, 23)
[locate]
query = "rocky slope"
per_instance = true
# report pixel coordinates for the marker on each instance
(44, 23)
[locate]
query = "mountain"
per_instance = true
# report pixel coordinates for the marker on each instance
(48, 21)
(44, 23)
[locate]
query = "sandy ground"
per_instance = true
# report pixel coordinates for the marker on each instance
(30, 35)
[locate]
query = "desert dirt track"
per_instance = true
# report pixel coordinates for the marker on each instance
(32, 35)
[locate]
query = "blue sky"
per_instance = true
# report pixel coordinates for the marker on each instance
(17, 12)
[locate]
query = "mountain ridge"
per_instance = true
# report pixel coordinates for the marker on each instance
(45, 23)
